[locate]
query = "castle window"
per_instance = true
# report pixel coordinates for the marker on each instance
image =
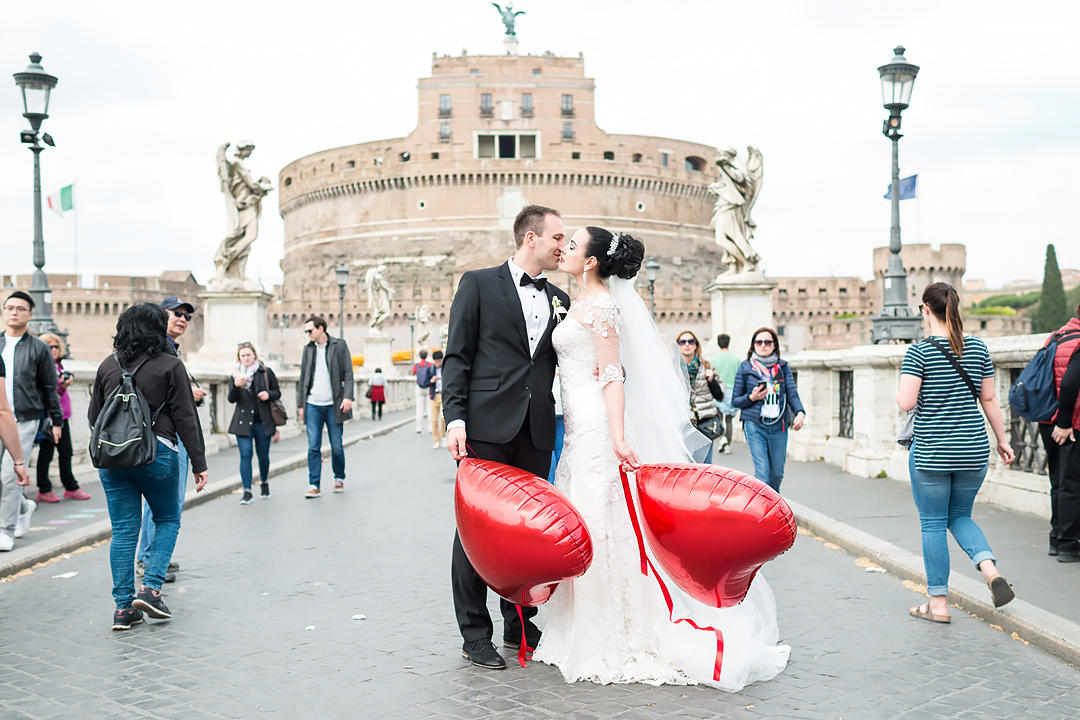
(575, 155)
(444, 132)
(536, 71)
(527, 144)
(507, 147)
(694, 164)
(636, 158)
(406, 156)
(444, 105)
(567, 131)
(609, 155)
(663, 159)
(351, 164)
(474, 71)
(288, 181)
(486, 108)
(485, 146)
(331, 167)
(568, 106)
(434, 156)
(526, 105)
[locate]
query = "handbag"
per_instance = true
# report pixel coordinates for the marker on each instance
(367, 394)
(711, 427)
(278, 416)
(716, 389)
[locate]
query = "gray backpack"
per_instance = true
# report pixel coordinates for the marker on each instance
(123, 435)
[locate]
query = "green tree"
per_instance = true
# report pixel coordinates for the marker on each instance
(1052, 311)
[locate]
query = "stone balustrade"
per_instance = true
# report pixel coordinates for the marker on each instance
(852, 418)
(217, 411)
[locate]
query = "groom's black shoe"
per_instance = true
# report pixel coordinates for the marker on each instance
(483, 654)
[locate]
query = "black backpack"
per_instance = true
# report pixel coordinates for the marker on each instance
(123, 435)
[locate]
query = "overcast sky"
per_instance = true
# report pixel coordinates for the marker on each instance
(147, 92)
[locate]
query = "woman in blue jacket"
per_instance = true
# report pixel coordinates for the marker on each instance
(765, 391)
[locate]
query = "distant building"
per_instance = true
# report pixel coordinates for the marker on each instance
(88, 314)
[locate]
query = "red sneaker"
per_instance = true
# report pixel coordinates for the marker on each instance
(48, 497)
(78, 494)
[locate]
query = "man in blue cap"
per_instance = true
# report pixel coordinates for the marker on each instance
(180, 312)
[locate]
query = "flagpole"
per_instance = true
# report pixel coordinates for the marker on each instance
(75, 249)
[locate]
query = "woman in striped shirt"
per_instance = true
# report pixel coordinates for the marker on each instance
(950, 450)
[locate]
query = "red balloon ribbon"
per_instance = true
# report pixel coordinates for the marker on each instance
(647, 564)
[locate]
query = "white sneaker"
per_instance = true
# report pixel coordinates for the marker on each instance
(6, 542)
(22, 526)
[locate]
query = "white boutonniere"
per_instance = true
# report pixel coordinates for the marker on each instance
(557, 309)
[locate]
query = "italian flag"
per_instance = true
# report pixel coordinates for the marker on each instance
(62, 200)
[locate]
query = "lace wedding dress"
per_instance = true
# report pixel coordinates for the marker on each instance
(612, 625)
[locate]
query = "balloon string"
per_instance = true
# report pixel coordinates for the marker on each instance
(645, 561)
(524, 648)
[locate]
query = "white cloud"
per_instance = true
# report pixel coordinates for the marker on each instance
(147, 93)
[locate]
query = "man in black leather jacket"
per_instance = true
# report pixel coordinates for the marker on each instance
(31, 379)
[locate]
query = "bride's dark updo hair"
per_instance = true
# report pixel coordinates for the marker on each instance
(622, 259)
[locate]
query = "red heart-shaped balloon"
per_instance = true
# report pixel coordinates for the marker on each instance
(521, 534)
(711, 528)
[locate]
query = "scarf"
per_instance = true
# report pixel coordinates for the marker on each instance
(767, 360)
(246, 371)
(692, 367)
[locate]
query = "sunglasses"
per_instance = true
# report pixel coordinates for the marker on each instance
(764, 343)
(240, 346)
(54, 347)
(182, 314)
(687, 341)
(308, 332)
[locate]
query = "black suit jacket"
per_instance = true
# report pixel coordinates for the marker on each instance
(489, 379)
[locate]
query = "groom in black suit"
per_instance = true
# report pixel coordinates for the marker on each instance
(497, 377)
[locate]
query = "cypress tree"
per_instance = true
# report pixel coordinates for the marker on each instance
(1052, 312)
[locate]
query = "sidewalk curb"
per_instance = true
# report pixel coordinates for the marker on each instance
(102, 529)
(1045, 630)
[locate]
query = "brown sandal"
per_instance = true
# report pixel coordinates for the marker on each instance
(923, 613)
(1000, 590)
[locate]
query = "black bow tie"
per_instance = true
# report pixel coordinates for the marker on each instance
(540, 283)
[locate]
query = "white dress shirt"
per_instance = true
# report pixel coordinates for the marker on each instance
(534, 306)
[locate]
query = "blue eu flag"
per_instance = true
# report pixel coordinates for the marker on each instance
(907, 188)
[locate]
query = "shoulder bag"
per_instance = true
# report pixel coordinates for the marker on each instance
(907, 431)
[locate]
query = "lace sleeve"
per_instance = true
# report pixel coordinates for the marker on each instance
(603, 318)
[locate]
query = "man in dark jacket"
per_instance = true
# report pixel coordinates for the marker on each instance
(1059, 439)
(324, 396)
(31, 386)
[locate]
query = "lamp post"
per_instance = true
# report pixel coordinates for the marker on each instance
(651, 268)
(342, 274)
(897, 320)
(412, 336)
(36, 86)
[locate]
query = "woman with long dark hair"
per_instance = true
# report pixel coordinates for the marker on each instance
(947, 376)
(254, 386)
(141, 347)
(765, 391)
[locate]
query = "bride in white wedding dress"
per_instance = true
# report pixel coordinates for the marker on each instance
(612, 625)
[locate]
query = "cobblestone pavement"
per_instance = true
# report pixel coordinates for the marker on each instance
(266, 624)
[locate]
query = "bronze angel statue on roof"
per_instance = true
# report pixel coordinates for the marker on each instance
(736, 192)
(508, 17)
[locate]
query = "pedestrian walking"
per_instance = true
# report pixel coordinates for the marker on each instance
(31, 384)
(324, 396)
(141, 348)
(435, 409)
(1059, 439)
(420, 371)
(377, 393)
(726, 364)
(254, 386)
(703, 387)
(10, 445)
(179, 314)
(63, 450)
(769, 402)
(946, 376)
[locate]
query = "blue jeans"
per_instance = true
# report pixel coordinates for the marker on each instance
(944, 501)
(560, 432)
(261, 442)
(315, 416)
(768, 447)
(149, 527)
(124, 490)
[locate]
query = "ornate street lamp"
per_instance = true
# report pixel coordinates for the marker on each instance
(412, 336)
(342, 275)
(36, 86)
(897, 320)
(651, 268)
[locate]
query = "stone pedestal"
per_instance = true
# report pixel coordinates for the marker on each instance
(231, 317)
(740, 305)
(377, 354)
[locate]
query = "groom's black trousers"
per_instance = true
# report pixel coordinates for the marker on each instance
(470, 592)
